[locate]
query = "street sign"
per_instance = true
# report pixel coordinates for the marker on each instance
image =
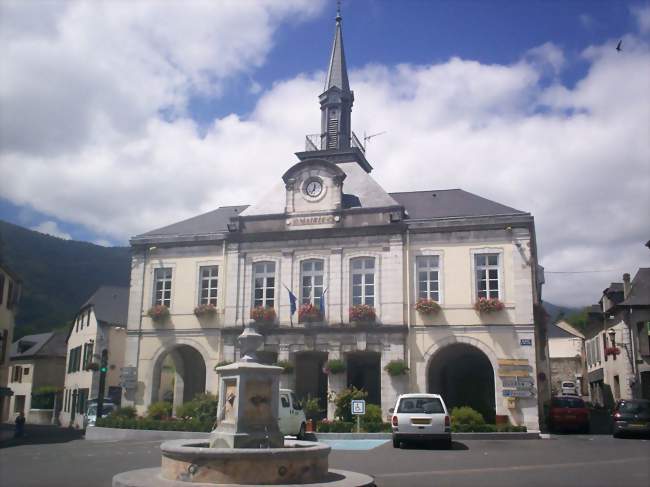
(129, 377)
(509, 382)
(358, 407)
(518, 393)
(526, 342)
(525, 382)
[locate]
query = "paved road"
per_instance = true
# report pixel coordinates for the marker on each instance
(62, 460)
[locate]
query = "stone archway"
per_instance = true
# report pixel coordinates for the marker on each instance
(179, 374)
(464, 375)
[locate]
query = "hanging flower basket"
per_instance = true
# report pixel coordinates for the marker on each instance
(263, 315)
(158, 312)
(427, 306)
(395, 368)
(334, 366)
(488, 305)
(362, 313)
(612, 351)
(286, 365)
(308, 313)
(205, 310)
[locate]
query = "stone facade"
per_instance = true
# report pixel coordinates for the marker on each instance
(9, 294)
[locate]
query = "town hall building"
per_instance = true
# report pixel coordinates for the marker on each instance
(425, 291)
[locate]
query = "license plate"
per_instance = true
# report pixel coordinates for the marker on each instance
(637, 425)
(420, 421)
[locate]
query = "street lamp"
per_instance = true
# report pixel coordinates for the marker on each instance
(612, 336)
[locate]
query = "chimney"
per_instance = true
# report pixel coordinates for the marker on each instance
(626, 285)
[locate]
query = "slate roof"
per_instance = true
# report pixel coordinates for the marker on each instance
(212, 222)
(555, 331)
(640, 289)
(50, 344)
(449, 203)
(111, 304)
(337, 74)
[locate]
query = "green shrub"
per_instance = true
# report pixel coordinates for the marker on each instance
(286, 365)
(372, 417)
(378, 427)
(159, 410)
(466, 415)
(202, 408)
(395, 368)
(334, 366)
(341, 426)
(153, 424)
(312, 408)
(343, 401)
(323, 426)
(124, 412)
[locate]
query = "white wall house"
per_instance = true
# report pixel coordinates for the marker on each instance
(36, 376)
(10, 286)
(329, 233)
(98, 328)
(567, 356)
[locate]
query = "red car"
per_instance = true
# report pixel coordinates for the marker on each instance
(568, 413)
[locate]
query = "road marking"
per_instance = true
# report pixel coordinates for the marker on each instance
(513, 468)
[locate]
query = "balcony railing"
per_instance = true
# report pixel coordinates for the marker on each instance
(315, 142)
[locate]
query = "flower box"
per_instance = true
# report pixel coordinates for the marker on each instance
(488, 305)
(308, 313)
(427, 306)
(205, 310)
(612, 351)
(159, 312)
(395, 368)
(263, 314)
(334, 366)
(362, 313)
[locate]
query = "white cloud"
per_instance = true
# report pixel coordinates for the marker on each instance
(642, 15)
(576, 157)
(52, 228)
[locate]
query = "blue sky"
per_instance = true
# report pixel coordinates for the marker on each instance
(143, 105)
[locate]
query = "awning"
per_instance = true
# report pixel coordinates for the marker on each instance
(596, 375)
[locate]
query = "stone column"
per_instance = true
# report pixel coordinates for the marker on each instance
(287, 381)
(334, 297)
(285, 275)
(134, 321)
(233, 285)
(335, 384)
(391, 387)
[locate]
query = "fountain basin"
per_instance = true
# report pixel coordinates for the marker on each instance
(298, 462)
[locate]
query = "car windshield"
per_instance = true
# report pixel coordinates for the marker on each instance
(634, 407)
(426, 405)
(296, 403)
(106, 409)
(568, 402)
(568, 384)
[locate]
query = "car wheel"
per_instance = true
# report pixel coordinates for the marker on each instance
(396, 443)
(447, 444)
(302, 432)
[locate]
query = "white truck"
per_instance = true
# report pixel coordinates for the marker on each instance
(291, 417)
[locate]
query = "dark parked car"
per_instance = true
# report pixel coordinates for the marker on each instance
(568, 413)
(631, 416)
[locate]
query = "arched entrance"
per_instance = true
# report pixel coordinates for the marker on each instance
(463, 375)
(179, 375)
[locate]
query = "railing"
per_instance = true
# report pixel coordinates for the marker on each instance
(314, 142)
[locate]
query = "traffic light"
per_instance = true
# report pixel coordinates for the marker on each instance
(103, 367)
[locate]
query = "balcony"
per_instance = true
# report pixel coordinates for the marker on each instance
(315, 142)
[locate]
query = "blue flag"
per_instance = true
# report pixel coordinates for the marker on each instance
(322, 302)
(292, 301)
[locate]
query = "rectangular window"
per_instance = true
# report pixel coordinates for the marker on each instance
(25, 371)
(17, 375)
(163, 286)
(428, 275)
(487, 275)
(264, 284)
(10, 295)
(81, 402)
(88, 355)
(363, 281)
(209, 284)
(311, 278)
(4, 337)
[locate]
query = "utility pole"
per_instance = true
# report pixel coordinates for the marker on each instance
(102, 383)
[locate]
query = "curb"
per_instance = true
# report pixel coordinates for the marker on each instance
(96, 433)
(529, 435)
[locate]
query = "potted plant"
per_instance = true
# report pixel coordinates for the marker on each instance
(286, 365)
(396, 368)
(612, 351)
(362, 313)
(263, 315)
(427, 306)
(334, 366)
(158, 312)
(488, 305)
(205, 311)
(308, 313)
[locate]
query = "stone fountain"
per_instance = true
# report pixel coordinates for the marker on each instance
(246, 448)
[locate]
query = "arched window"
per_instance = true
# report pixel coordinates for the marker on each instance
(264, 284)
(362, 277)
(311, 282)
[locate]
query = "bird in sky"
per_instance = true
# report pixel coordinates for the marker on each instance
(618, 47)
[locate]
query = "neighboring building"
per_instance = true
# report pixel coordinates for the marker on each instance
(37, 372)
(566, 353)
(617, 345)
(330, 233)
(98, 328)
(10, 286)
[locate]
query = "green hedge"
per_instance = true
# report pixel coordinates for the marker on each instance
(487, 428)
(154, 424)
(349, 427)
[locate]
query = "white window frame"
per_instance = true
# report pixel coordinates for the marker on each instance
(498, 267)
(212, 285)
(438, 269)
(164, 279)
(313, 298)
(364, 280)
(265, 275)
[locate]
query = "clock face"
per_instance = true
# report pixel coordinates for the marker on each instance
(313, 188)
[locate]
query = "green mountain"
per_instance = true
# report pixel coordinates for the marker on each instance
(58, 275)
(558, 312)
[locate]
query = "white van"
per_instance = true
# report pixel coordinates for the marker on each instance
(420, 417)
(291, 417)
(569, 388)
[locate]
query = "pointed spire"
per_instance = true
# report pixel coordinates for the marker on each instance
(337, 74)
